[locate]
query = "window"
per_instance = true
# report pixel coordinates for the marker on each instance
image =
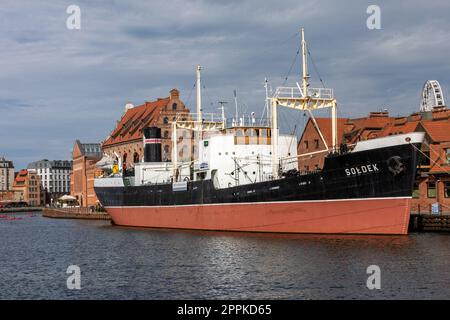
(166, 134)
(174, 106)
(135, 157)
(447, 155)
(447, 190)
(306, 144)
(416, 192)
(424, 159)
(166, 120)
(431, 189)
(316, 143)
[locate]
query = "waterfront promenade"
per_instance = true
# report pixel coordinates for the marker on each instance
(74, 213)
(22, 209)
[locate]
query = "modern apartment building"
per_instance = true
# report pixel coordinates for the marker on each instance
(6, 174)
(54, 176)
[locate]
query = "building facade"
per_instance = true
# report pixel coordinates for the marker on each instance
(126, 138)
(6, 174)
(54, 176)
(85, 156)
(27, 188)
(311, 143)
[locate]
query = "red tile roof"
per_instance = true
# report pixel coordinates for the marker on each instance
(439, 131)
(368, 127)
(392, 128)
(135, 120)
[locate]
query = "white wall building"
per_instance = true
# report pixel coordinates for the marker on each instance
(6, 174)
(55, 176)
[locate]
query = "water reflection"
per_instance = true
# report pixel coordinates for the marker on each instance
(132, 263)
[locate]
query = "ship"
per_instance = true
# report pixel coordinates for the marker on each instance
(243, 175)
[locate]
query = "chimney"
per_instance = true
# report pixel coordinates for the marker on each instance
(379, 114)
(439, 108)
(440, 113)
(417, 116)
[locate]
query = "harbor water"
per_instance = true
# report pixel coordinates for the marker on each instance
(131, 263)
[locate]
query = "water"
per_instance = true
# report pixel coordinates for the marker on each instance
(130, 263)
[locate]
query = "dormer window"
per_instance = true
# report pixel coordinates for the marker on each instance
(174, 106)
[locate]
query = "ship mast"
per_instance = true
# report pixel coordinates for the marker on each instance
(301, 98)
(199, 124)
(304, 63)
(266, 106)
(199, 95)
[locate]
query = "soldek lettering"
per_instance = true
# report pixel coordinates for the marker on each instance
(361, 169)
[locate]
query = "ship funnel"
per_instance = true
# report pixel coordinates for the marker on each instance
(152, 144)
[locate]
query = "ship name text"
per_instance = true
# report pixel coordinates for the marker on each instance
(353, 171)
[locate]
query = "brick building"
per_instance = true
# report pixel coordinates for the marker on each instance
(311, 143)
(85, 156)
(7, 196)
(126, 138)
(27, 187)
(433, 181)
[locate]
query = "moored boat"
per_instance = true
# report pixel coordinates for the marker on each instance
(244, 176)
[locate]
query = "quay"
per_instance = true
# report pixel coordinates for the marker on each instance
(74, 213)
(21, 209)
(420, 222)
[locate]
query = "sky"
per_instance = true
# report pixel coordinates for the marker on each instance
(58, 84)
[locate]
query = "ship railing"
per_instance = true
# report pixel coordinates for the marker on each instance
(192, 117)
(296, 93)
(247, 121)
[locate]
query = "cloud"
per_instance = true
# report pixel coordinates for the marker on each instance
(58, 85)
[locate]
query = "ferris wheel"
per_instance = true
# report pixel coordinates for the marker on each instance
(432, 96)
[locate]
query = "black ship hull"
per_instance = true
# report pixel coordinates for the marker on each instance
(371, 190)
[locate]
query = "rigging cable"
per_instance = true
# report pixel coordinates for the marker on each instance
(190, 94)
(292, 66)
(209, 98)
(315, 68)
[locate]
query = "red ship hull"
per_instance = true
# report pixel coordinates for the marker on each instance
(351, 216)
